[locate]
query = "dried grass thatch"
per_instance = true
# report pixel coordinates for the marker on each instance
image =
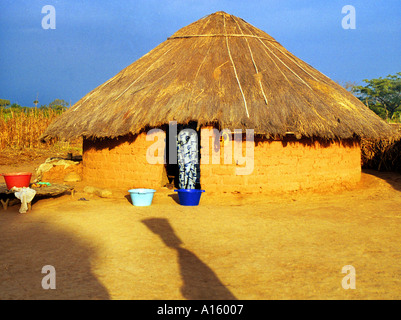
(382, 155)
(220, 70)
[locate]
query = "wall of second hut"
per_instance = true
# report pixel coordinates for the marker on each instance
(278, 166)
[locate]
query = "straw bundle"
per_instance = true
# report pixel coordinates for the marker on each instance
(220, 70)
(382, 154)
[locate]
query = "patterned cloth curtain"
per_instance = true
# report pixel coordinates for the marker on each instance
(187, 157)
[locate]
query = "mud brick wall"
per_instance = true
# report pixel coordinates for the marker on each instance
(285, 166)
(121, 163)
(279, 166)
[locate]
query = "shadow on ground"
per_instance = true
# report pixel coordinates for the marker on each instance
(175, 198)
(392, 178)
(27, 244)
(199, 280)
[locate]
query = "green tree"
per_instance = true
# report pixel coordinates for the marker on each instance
(4, 103)
(58, 105)
(15, 106)
(382, 95)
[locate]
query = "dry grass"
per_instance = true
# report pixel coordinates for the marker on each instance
(22, 129)
(20, 132)
(382, 155)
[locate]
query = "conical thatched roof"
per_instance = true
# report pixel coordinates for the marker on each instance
(220, 69)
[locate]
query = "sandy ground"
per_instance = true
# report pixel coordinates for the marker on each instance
(232, 246)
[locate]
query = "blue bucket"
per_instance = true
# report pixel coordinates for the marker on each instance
(189, 197)
(141, 197)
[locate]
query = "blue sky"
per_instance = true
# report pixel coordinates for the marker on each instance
(94, 40)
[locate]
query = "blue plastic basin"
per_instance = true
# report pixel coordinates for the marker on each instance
(141, 197)
(189, 197)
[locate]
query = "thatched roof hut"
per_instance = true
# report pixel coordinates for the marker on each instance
(220, 70)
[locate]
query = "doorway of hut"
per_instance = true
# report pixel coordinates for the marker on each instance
(183, 156)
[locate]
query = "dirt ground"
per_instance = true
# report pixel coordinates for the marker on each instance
(231, 246)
